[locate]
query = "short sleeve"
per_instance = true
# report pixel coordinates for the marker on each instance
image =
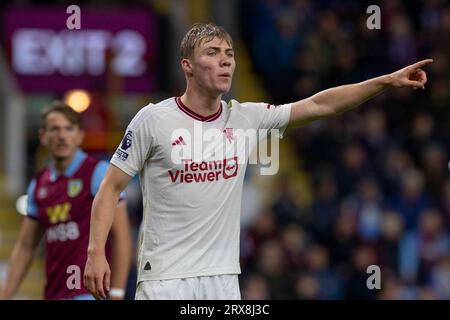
(268, 116)
(32, 211)
(136, 144)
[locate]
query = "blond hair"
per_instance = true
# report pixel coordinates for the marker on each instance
(200, 32)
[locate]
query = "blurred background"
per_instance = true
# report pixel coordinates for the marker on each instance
(370, 187)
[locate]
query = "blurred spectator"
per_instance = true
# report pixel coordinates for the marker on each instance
(392, 287)
(325, 208)
(368, 203)
(345, 237)
(354, 165)
(329, 281)
(402, 46)
(440, 278)
(396, 162)
(284, 206)
(434, 162)
(255, 287)
(264, 228)
(421, 132)
(392, 231)
(422, 249)
(307, 287)
(363, 256)
(375, 134)
(445, 202)
(411, 199)
(294, 240)
(271, 263)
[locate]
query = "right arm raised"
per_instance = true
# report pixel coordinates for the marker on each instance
(22, 256)
(97, 271)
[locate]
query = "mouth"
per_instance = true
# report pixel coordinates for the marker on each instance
(225, 75)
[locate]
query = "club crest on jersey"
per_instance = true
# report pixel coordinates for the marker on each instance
(127, 140)
(229, 134)
(74, 187)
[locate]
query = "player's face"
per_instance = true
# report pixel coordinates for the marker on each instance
(213, 66)
(61, 137)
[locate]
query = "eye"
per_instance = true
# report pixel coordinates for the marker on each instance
(70, 128)
(211, 53)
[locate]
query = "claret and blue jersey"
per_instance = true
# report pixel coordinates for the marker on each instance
(62, 203)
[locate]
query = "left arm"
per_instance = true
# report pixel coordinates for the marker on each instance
(121, 251)
(343, 98)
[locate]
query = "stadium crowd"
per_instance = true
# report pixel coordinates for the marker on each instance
(376, 182)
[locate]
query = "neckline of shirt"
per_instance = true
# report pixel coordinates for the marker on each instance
(195, 115)
(73, 167)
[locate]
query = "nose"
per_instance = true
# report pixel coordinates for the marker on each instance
(62, 135)
(225, 61)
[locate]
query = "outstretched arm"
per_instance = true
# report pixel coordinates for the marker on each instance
(343, 98)
(97, 272)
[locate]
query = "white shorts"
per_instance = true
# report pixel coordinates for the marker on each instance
(220, 287)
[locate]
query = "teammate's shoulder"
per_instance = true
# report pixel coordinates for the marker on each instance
(101, 167)
(41, 172)
(102, 163)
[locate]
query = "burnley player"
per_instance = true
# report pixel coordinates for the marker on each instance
(189, 245)
(59, 205)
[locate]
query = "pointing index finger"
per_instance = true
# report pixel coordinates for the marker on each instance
(422, 63)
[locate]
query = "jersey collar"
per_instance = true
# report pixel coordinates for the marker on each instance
(195, 115)
(71, 169)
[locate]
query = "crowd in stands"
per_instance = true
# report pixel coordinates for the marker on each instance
(378, 175)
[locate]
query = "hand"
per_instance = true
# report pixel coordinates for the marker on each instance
(411, 76)
(97, 275)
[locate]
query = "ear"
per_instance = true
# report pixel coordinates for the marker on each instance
(187, 66)
(80, 137)
(42, 139)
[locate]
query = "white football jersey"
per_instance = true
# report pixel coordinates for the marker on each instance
(191, 170)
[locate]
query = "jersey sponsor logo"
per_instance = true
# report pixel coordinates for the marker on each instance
(59, 213)
(74, 187)
(121, 154)
(63, 232)
(127, 140)
(230, 167)
(205, 171)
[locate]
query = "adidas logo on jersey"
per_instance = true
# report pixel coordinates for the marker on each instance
(179, 141)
